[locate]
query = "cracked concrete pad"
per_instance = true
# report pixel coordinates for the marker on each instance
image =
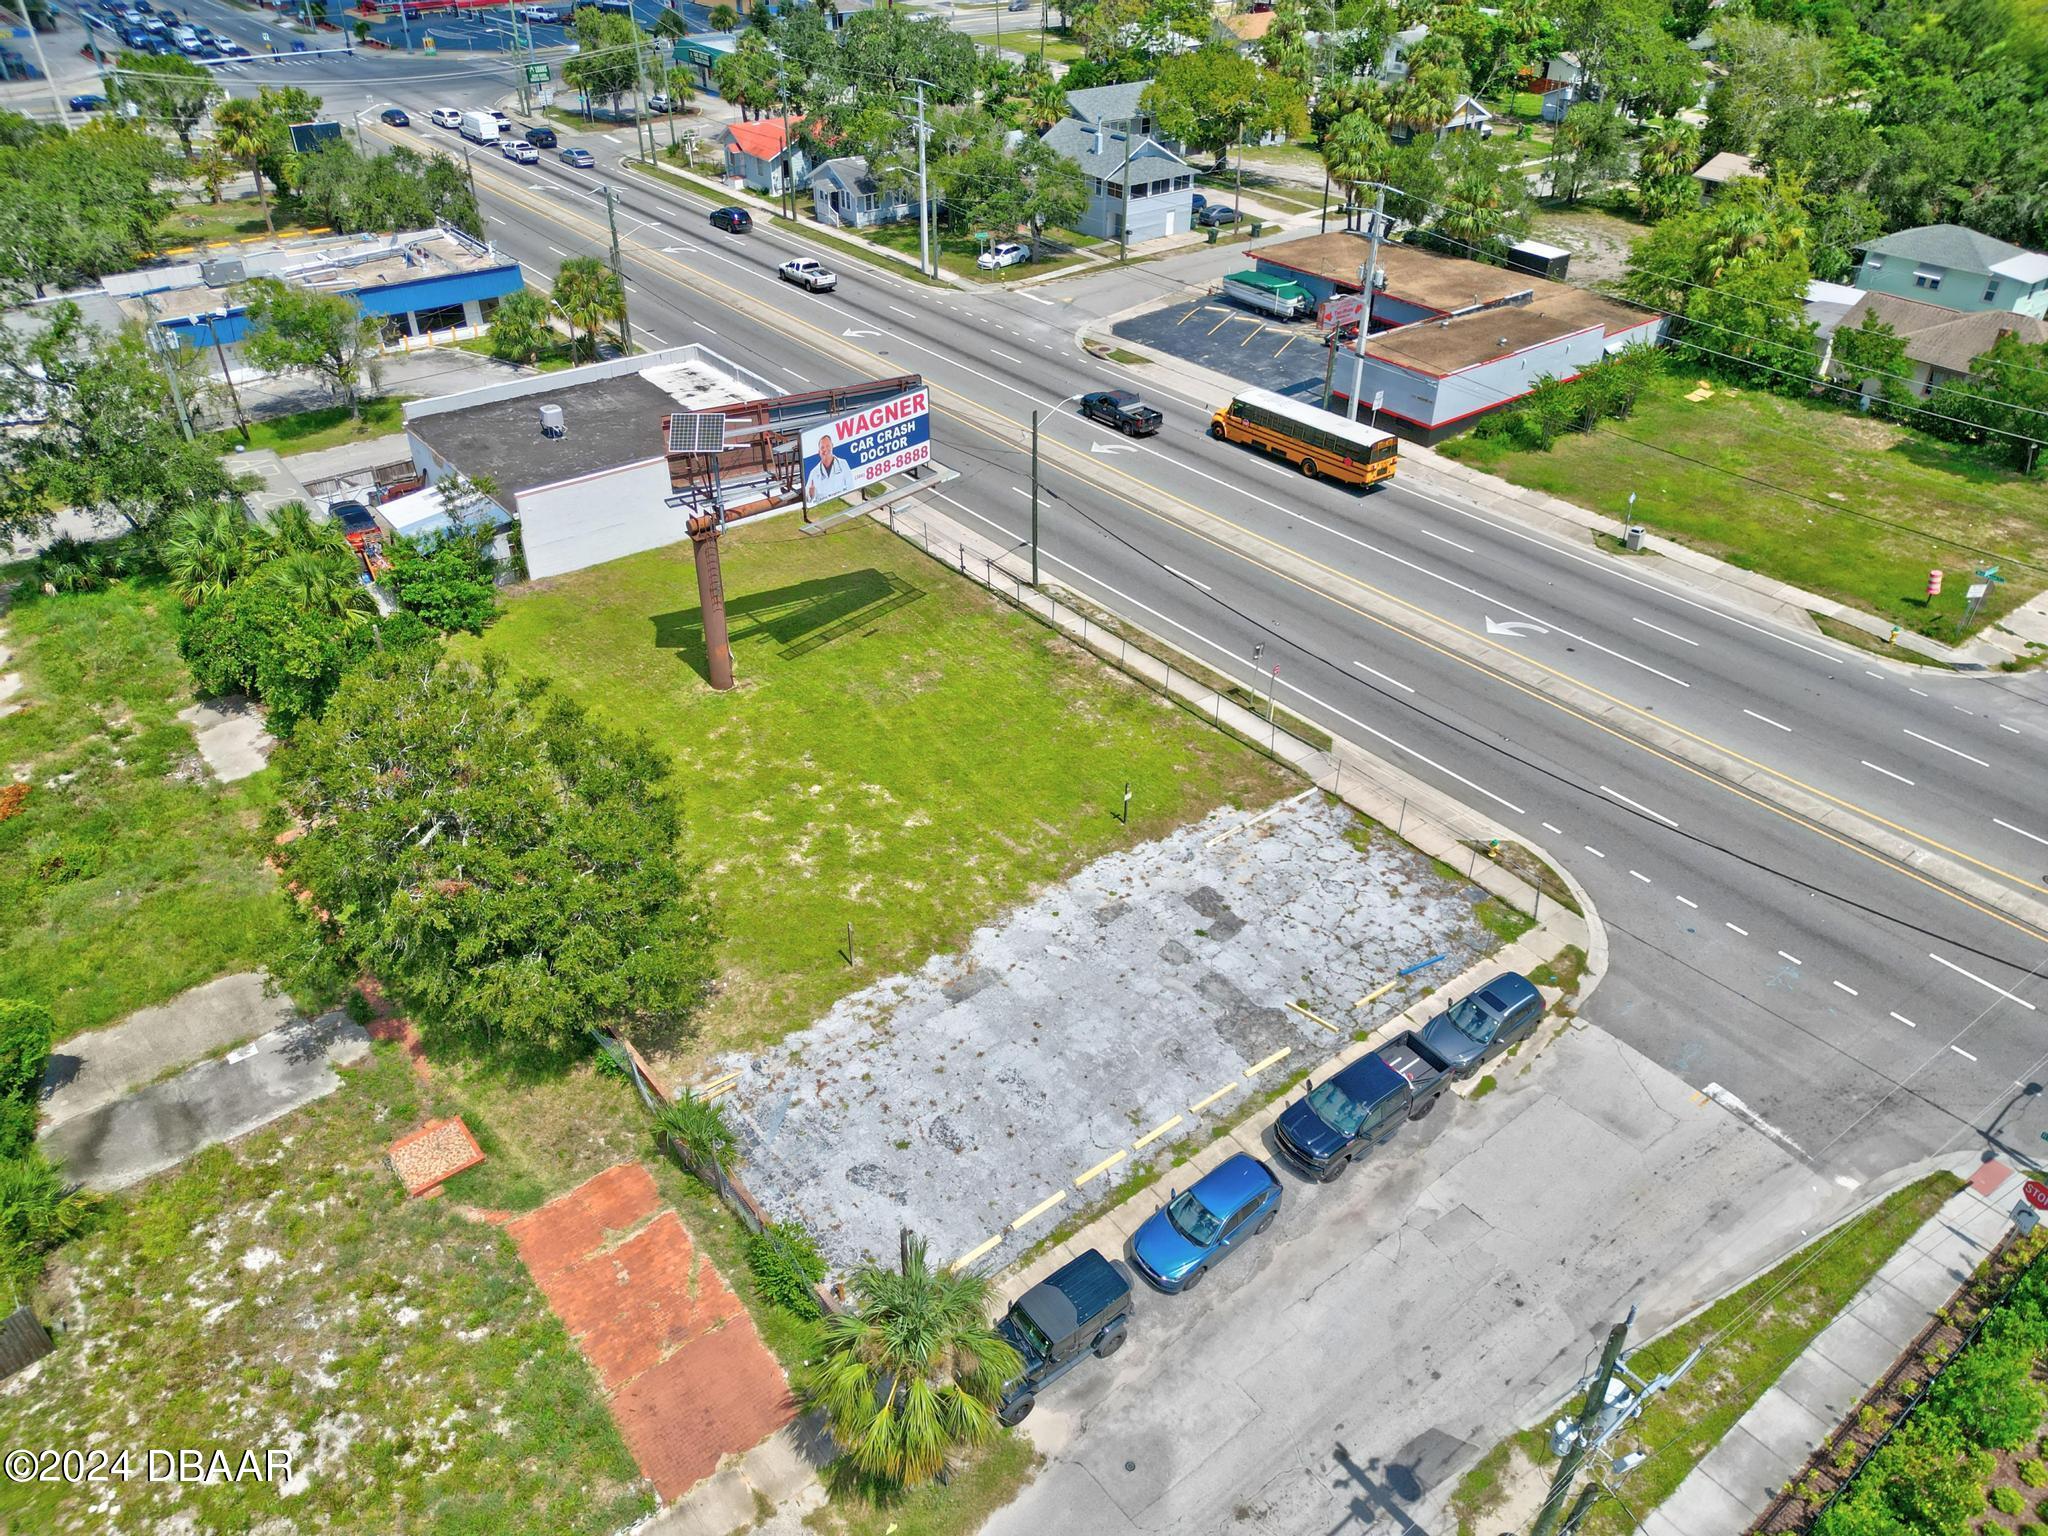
(230, 735)
(958, 1098)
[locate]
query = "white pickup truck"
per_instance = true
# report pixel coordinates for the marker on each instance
(809, 274)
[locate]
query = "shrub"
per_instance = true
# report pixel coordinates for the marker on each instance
(257, 639)
(82, 565)
(38, 1212)
(446, 583)
(25, 1035)
(1990, 1394)
(786, 1264)
(2033, 1472)
(697, 1126)
(2008, 1501)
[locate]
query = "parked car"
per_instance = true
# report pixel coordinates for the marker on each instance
(539, 137)
(1341, 1119)
(92, 19)
(1004, 253)
(446, 117)
(357, 525)
(582, 159)
(1481, 1025)
(810, 274)
(1214, 214)
(395, 116)
(1082, 1308)
(88, 103)
(1200, 1226)
(1122, 409)
(734, 221)
(521, 151)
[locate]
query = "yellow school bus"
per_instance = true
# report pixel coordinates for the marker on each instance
(1314, 441)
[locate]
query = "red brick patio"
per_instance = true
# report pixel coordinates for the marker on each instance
(688, 1377)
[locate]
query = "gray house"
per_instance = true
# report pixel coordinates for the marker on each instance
(845, 194)
(1112, 139)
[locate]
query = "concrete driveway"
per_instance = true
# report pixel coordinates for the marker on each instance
(1339, 1374)
(159, 1126)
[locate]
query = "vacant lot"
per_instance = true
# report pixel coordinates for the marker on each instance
(1082, 1031)
(283, 1294)
(1847, 507)
(127, 875)
(904, 753)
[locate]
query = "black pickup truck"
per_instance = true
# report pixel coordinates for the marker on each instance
(1122, 409)
(1341, 1119)
(1081, 1308)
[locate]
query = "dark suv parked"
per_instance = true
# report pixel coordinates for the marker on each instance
(1080, 1309)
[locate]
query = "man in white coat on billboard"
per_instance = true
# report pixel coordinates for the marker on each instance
(831, 476)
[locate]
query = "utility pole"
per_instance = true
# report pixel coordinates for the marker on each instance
(1034, 500)
(156, 340)
(925, 263)
(1367, 281)
(35, 39)
(525, 99)
(611, 213)
(1583, 1431)
(787, 189)
(227, 378)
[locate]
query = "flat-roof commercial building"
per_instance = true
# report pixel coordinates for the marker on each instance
(578, 457)
(417, 282)
(1453, 339)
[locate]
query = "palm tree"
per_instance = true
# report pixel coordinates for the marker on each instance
(319, 583)
(587, 293)
(1356, 151)
(1478, 206)
(1664, 168)
(1045, 103)
(913, 1373)
(209, 549)
(292, 531)
(211, 167)
(723, 18)
(246, 133)
(1426, 99)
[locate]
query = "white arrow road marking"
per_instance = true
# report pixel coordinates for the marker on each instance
(1514, 627)
(860, 333)
(1111, 448)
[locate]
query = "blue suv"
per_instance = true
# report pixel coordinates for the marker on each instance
(1199, 1226)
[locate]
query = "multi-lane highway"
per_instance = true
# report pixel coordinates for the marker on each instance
(1820, 868)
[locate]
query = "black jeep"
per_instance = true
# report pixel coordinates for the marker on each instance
(1081, 1308)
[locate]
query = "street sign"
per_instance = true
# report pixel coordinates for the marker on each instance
(2036, 1193)
(539, 74)
(1341, 311)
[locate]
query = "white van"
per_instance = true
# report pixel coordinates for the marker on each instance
(480, 127)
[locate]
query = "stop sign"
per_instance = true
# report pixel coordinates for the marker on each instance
(2036, 1193)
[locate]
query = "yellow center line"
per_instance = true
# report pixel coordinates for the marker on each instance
(1196, 1109)
(1101, 1168)
(1039, 1209)
(1092, 472)
(1257, 1067)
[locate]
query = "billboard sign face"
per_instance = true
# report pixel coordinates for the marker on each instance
(844, 456)
(307, 137)
(1341, 311)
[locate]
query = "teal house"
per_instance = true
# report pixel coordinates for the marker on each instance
(1956, 268)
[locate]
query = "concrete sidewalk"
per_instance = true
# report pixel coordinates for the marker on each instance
(1769, 1444)
(128, 1139)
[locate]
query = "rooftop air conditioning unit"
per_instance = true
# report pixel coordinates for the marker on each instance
(551, 423)
(222, 272)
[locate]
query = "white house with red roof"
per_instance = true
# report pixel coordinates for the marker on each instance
(763, 154)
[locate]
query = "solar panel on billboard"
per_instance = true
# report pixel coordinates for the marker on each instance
(701, 432)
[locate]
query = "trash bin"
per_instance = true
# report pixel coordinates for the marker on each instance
(1212, 234)
(1633, 536)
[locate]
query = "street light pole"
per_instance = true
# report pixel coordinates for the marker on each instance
(611, 214)
(1034, 499)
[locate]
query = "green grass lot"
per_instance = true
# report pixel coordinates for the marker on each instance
(1270, 191)
(1026, 40)
(327, 427)
(1781, 1312)
(128, 875)
(235, 218)
(1807, 492)
(284, 1291)
(904, 752)
(957, 252)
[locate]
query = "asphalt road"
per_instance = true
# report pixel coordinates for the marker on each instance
(1860, 1012)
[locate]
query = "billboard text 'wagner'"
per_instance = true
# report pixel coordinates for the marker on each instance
(844, 456)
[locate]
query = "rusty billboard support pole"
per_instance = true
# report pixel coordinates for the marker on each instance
(711, 604)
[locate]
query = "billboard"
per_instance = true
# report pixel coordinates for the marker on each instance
(307, 137)
(844, 456)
